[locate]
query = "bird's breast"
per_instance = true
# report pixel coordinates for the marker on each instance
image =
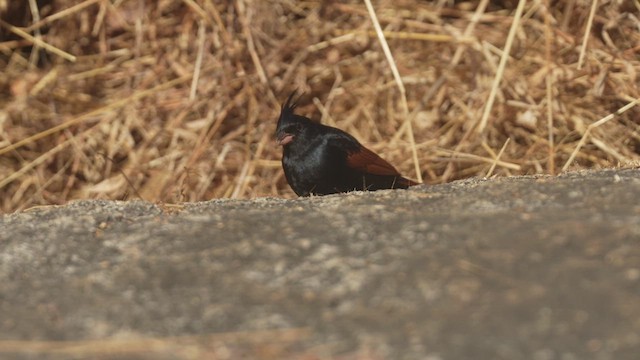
(308, 169)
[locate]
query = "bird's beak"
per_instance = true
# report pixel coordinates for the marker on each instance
(284, 139)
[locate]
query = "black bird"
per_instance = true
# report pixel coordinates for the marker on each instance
(320, 160)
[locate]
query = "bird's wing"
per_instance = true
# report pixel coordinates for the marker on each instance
(369, 162)
(357, 156)
(362, 159)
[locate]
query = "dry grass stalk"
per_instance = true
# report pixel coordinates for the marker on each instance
(497, 158)
(503, 63)
(37, 41)
(60, 15)
(177, 101)
(587, 33)
(549, 80)
(596, 124)
(398, 80)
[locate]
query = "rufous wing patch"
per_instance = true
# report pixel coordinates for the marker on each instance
(369, 162)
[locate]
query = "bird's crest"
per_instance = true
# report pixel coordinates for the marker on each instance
(287, 110)
(290, 105)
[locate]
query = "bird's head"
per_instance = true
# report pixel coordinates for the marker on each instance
(291, 127)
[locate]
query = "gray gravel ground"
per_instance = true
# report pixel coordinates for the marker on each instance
(508, 268)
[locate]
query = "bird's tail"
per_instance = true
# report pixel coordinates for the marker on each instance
(403, 183)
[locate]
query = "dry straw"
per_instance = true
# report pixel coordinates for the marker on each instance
(175, 101)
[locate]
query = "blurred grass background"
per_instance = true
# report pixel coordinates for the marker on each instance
(173, 101)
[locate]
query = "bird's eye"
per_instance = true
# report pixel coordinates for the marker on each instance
(294, 128)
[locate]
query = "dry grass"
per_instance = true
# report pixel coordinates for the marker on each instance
(174, 101)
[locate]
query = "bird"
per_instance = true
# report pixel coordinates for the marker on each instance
(320, 160)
